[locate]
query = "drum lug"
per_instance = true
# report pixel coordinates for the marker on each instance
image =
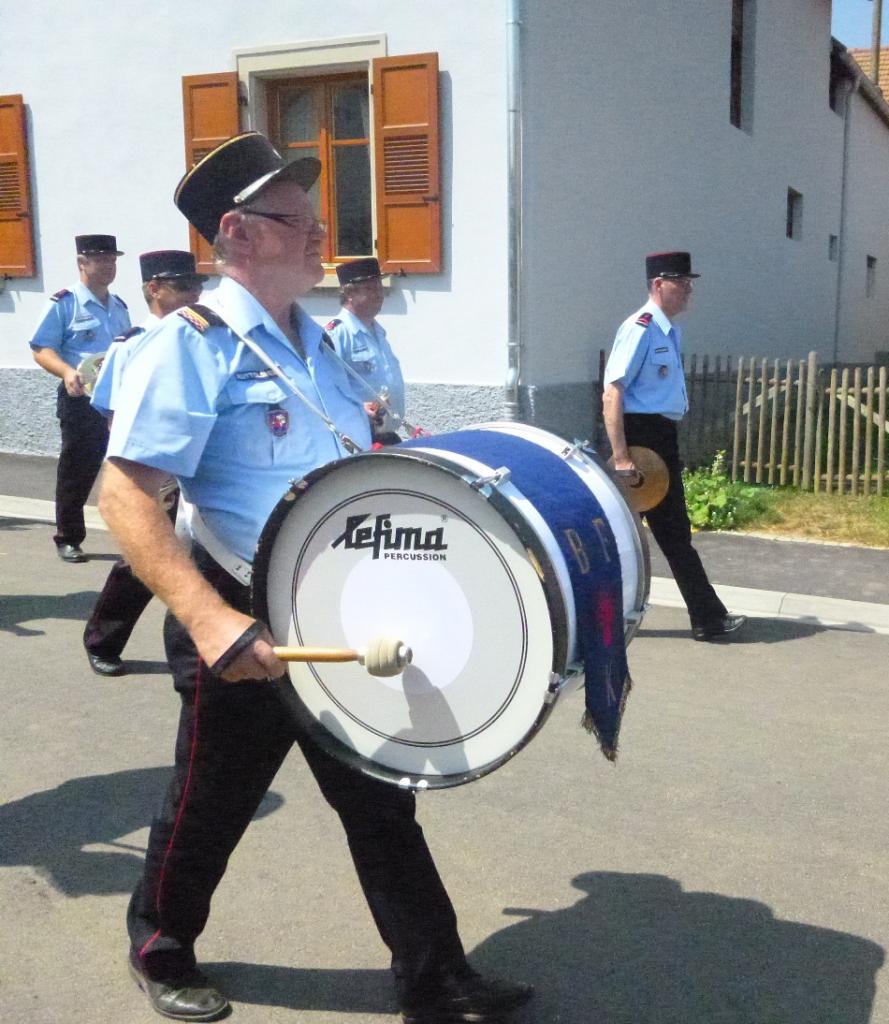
(494, 480)
(572, 449)
(556, 682)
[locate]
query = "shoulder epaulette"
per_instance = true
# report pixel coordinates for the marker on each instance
(326, 338)
(120, 300)
(332, 324)
(644, 319)
(60, 294)
(201, 318)
(131, 333)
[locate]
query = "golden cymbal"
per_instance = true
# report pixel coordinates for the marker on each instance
(648, 488)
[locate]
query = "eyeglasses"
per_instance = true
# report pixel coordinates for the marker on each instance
(292, 220)
(180, 284)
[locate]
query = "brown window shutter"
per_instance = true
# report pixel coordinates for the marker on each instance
(406, 153)
(210, 106)
(16, 224)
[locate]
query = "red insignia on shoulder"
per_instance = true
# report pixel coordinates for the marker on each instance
(200, 317)
(644, 319)
(333, 323)
(60, 294)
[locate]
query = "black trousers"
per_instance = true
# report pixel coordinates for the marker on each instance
(669, 522)
(84, 441)
(232, 739)
(122, 600)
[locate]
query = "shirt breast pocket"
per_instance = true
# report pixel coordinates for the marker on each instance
(253, 422)
(662, 361)
(84, 333)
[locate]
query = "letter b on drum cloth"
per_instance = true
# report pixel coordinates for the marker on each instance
(587, 542)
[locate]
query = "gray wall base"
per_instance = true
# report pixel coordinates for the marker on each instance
(28, 424)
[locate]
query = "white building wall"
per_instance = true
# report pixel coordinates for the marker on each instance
(629, 149)
(105, 118)
(864, 320)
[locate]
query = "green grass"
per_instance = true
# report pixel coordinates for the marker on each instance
(825, 517)
(715, 503)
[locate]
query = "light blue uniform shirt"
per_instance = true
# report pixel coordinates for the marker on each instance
(77, 325)
(367, 351)
(108, 382)
(204, 408)
(646, 359)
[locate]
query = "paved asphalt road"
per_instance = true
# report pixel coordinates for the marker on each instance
(732, 868)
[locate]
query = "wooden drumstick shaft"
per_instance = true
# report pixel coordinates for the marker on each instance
(316, 654)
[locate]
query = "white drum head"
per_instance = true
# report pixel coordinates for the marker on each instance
(397, 545)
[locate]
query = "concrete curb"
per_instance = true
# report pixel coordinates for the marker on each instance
(860, 616)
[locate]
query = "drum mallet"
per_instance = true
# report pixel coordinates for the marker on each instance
(383, 656)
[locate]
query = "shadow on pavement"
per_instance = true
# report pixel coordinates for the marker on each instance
(49, 830)
(306, 988)
(636, 949)
(20, 608)
(755, 631)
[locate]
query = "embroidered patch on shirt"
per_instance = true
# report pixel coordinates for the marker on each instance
(278, 420)
(644, 319)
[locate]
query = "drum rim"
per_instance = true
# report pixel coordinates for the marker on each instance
(308, 723)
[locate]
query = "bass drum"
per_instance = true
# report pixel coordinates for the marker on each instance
(431, 545)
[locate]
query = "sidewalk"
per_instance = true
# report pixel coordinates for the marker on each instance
(834, 585)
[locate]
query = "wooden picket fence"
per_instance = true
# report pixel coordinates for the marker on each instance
(813, 428)
(786, 422)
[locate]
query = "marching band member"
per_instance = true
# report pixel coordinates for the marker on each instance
(201, 402)
(643, 401)
(77, 323)
(169, 281)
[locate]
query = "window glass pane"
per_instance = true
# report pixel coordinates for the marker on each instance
(353, 223)
(299, 115)
(350, 111)
(298, 154)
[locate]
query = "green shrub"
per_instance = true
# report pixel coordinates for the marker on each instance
(715, 503)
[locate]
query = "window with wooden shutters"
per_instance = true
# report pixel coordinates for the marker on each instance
(210, 106)
(328, 118)
(16, 225)
(406, 153)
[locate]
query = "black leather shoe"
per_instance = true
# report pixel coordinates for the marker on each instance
(717, 630)
(465, 997)
(189, 997)
(70, 553)
(106, 666)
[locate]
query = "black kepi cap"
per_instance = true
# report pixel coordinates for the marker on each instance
(92, 245)
(234, 173)
(356, 271)
(668, 264)
(168, 263)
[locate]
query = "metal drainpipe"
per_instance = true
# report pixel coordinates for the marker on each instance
(512, 408)
(841, 240)
(875, 42)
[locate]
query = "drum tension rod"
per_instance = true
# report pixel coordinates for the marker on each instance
(498, 477)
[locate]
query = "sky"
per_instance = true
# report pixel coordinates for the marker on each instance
(853, 22)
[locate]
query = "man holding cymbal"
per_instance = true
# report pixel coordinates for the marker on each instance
(643, 401)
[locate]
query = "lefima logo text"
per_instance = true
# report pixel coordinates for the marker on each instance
(398, 543)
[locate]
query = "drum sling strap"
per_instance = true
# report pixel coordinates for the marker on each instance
(581, 529)
(202, 318)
